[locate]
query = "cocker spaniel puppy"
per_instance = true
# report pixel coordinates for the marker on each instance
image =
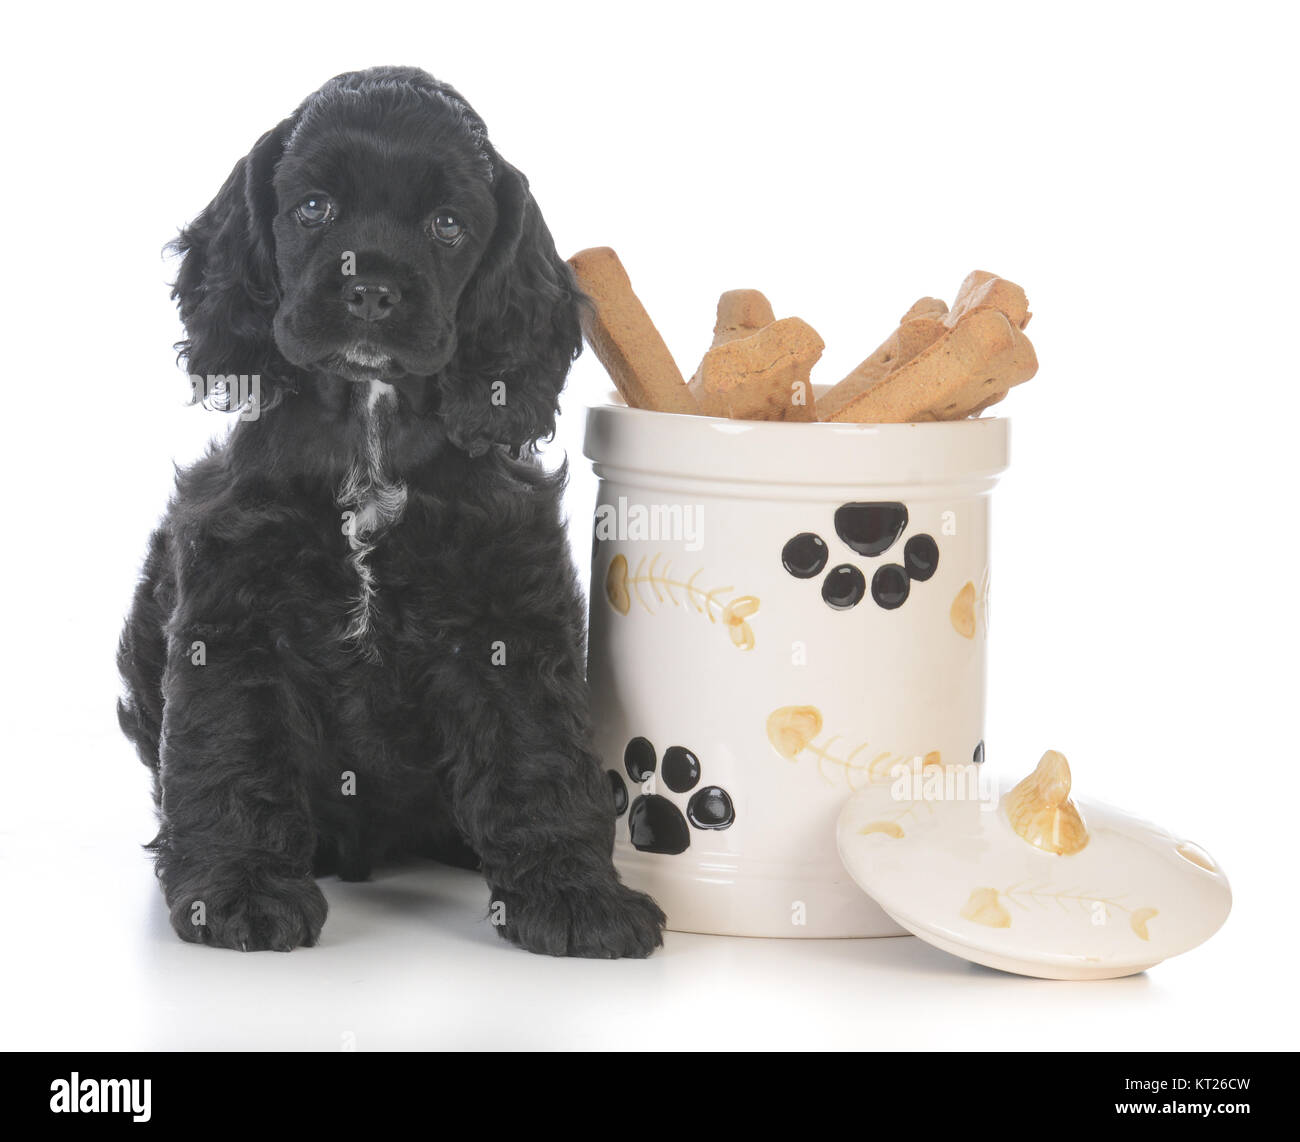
(358, 631)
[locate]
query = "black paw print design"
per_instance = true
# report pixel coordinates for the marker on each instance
(870, 529)
(655, 824)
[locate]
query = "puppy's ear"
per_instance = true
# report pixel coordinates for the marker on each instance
(517, 331)
(226, 289)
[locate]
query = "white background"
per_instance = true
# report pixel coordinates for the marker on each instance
(1131, 164)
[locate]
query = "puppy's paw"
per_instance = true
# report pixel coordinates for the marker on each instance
(608, 921)
(250, 912)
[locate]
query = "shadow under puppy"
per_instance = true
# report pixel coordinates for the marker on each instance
(358, 630)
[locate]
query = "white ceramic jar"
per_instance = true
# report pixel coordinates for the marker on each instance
(780, 612)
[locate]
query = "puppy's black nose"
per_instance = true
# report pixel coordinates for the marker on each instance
(371, 300)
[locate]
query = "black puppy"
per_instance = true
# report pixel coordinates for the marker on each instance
(358, 630)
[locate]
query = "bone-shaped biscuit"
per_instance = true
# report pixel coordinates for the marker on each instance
(942, 364)
(764, 376)
(741, 313)
(622, 335)
(969, 368)
(926, 307)
(920, 328)
(983, 290)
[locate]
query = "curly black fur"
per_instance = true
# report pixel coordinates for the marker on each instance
(314, 658)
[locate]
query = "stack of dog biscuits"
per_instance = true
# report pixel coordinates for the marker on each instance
(941, 363)
(938, 364)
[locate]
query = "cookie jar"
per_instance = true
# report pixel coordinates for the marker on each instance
(781, 613)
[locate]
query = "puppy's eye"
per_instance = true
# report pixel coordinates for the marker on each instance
(448, 229)
(315, 211)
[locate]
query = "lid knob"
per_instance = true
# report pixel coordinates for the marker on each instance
(1040, 809)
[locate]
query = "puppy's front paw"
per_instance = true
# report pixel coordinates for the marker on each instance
(248, 910)
(607, 922)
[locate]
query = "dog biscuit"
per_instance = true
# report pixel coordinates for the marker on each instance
(982, 290)
(970, 283)
(972, 366)
(1022, 365)
(624, 338)
(764, 376)
(926, 307)
(913, 336)
(741, 313)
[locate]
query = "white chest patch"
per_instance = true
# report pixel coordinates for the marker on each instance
(373, 501)
(379, 392)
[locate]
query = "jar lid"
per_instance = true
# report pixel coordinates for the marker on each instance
(1026, 880)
